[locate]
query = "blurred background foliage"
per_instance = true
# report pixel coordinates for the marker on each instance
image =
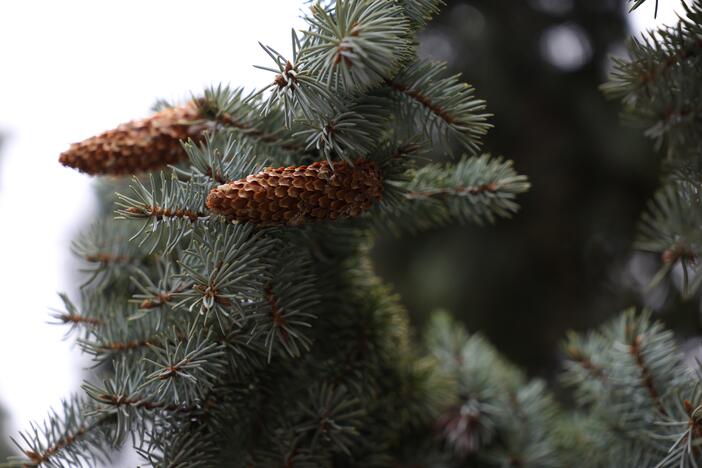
(565, 261)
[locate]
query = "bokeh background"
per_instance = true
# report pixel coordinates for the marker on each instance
(72, 69)
(563, 262)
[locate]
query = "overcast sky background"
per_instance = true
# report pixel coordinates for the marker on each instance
(71, 69)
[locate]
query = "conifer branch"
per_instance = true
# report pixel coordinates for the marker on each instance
(231, 109)
(577, 356)
(295, 89)
(70, 438)
(290, 300)
(349, 133)
(105, 247)
(660, 87)
(186, 367)
(119, 334)
(646, 373)
(420, 12)
(670, 228)
(475, 190)
(225, 265)
(354, 45)
(73, 317)
(76, 319)
(502, 418)
(220, 159)
(219, 307)
(442, 108)
(168, 209)
(159, 293)
(139, 403)
(161, 298)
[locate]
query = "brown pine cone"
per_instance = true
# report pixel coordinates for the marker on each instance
(297, 195)
(138, 145)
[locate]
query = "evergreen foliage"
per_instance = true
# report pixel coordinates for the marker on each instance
(660, 85)
(273, 343)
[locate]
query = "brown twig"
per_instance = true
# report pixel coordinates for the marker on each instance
(102, 257)
(422, 99)
(126, 345)
(250, 130)
(122, 400)
(646, 376)
(650, 74)
(276, 312)
(491, 187)
(163, 297)
(79, 319)
(160, 212)
(39, 458)
(586, 363)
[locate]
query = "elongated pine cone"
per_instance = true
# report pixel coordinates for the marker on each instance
(296, 195)
(138, 145)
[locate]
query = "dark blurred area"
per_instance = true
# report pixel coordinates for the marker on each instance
(561, 263)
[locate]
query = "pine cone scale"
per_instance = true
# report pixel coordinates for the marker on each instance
(136, 146)
(296, 195)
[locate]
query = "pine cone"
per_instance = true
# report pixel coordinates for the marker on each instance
(296, 195)
(138, 145)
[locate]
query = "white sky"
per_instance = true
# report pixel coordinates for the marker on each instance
(70, 69)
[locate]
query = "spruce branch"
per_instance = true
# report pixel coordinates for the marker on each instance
(245, 355)
(686, 442)
(442, 108)
(120, 335)
(241, 114)
(220, 161)
(660, 87)
(331, 417)
(475, 190)
(354, 45)
(420, 12)
(294, 88)
(531, 407)
(585, 366)
(640, 389)
(168, 209)
(71, 437)
(185, 368)
(175, 448)
(160, 293)
(125, 398)
(349, 133)
(500, 417)
(97, 313)
(107, 253)
(291, 297)
(232, 271)
(74, 318)
(642, 354)
(227, 266)
(670, 228)
(397, 163)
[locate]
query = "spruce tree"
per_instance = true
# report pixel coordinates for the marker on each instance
(233, 310)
